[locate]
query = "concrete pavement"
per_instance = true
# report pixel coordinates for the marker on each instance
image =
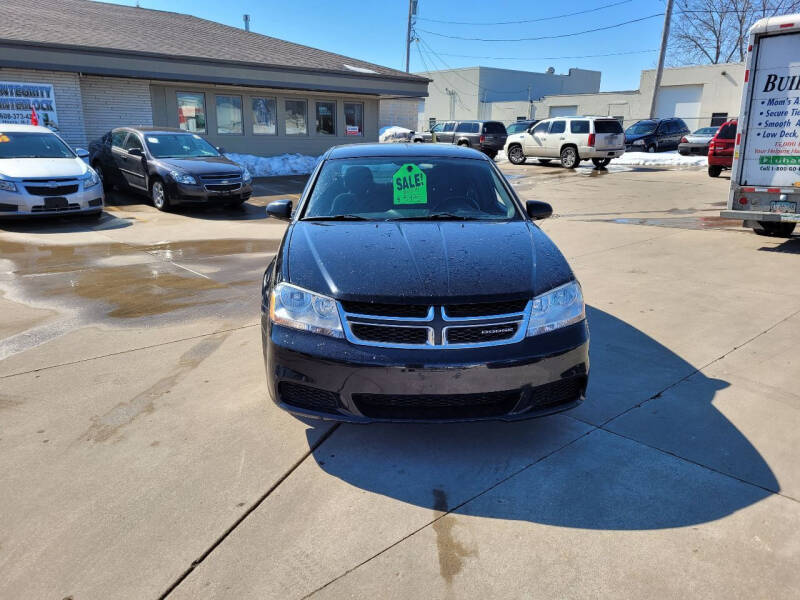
(140, 458)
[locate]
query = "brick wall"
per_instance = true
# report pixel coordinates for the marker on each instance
(110, 102)
(67, 90)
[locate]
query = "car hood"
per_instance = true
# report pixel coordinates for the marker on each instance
(19, 168)
(199, 166)
(698, 139)
(430, 260)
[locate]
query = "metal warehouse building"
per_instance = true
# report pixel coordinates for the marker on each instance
(88, 67)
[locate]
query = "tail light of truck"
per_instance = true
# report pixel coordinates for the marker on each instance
(684, 140)
(743, 201)
(482, 139)
(591, 139)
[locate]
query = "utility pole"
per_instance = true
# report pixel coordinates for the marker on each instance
(412, 12)
(661, 55)
(530, 104)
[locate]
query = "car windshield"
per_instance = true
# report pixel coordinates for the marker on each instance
(642, 128)
(178, 145)
(706, 131)
(32, 144)
(409, 188)
(517, 127)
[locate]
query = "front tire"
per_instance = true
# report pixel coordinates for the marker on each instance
(516, 156)
(714, 170)
(601, 163)
(773, 229)
(569, 157)
(159, 196)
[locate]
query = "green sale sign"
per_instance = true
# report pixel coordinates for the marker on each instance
(410, 185)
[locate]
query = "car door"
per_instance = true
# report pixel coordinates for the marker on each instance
(133, 162)
(662, 136)
(535, 141)
(448, 131)
(118, 157)
(555, 137)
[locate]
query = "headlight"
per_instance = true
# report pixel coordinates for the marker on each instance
(90, 178)
(638, 143)
(182, 177)
(295, 307)
(557, 308)
(7, 186)
(246, 176)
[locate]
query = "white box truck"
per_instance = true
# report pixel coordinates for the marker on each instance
(765, 177)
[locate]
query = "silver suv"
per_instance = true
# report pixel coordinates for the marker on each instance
(570, 139)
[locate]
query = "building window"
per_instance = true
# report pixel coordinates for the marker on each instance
(326, 118)
(296, 117)
(354, 118)
(229, 115)
(192, 111)
(718, 119)
(264, 121)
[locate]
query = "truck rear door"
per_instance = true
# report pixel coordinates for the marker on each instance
(608, 134)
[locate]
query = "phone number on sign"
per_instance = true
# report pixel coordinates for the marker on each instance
(5, 116)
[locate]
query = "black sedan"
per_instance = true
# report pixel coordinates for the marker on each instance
(413, 285)
(171, 166)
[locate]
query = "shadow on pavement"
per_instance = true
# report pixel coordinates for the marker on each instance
(789, 246)
(562, 471)
(64, 224)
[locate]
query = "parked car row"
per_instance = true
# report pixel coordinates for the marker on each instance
(486, 136)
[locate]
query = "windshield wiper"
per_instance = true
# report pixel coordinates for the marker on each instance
(436, 217)
(335, 218)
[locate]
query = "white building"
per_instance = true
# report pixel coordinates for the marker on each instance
(700, 95)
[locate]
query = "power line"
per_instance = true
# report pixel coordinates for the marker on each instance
(546, 57)
(543, 37)
(572, 14)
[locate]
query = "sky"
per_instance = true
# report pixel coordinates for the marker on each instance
(374, 30)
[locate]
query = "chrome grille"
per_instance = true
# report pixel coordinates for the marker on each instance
(426, 326)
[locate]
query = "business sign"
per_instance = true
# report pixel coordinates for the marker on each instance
(17, 98)
(771, 154)
(352, 130)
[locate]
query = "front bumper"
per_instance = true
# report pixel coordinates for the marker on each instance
(180, 193)
(330, 378)
(22, 203)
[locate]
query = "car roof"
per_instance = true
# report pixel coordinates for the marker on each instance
(393, 150)
(149, 129)
(8, 127)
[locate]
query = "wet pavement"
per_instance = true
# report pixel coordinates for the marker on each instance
(141, 458)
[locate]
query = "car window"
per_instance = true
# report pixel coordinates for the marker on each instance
(642, 128)
(449, 126)
(706, 131)
(118, 137)
(467, 128)
(178, 145)
(493, 127)
(541, 127)
(727, 131)
(517, 127)
(410, 187)
(558, 127)
(133, 142)
(436, 128)
(680, 125)
(579, 126)
(607, 126)
(32, 144)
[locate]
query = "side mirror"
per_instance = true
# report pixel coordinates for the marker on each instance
(220, 149)
(280, 209)
(538, 210)
(136, 152)
(82, 152)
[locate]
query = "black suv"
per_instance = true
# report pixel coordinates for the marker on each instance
(655, 135)
(487, 136)
(171, 166)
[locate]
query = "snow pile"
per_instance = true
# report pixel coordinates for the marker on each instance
(662, 159)
(394, 134)
(270, 166)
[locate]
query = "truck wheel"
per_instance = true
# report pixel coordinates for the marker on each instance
(600, 162)
(569, 157)
(714, 170)
(773, 229)
(463, 143)
(544, 161)
(516, 156)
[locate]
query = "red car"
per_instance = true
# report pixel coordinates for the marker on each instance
(720, 149)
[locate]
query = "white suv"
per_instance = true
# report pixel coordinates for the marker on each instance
(570, 139)
(41, 175)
